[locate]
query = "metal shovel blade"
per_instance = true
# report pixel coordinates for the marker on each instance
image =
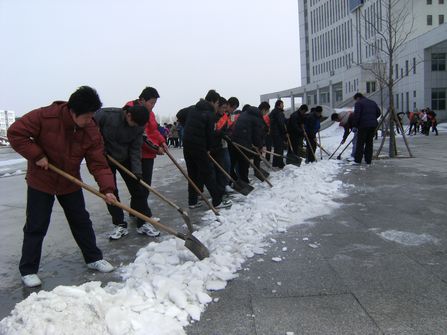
(196, 247)
(242, 187)
(264, 175)
(293, 159)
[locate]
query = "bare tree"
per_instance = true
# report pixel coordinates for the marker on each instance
(386, 35)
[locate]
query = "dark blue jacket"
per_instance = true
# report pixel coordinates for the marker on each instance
(366, 113)
(311, 124)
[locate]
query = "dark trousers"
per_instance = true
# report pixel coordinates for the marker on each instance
(38, 212)
(365, 142)
(234, 159)
(268, 146)
(242, 165)
(201, 172)
(278, 145)
(311, 149)
(297, 145)
(138, 198)
(219, 156)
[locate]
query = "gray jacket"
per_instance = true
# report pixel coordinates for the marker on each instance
(121, 141)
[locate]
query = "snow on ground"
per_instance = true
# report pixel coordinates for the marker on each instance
(166, 287)
(406, 238)
(12, 161)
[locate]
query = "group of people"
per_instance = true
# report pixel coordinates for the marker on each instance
(65, 133)
(173, 134)
(422, 121)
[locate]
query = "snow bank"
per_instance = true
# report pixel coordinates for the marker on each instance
(12, 161)
(167, 287)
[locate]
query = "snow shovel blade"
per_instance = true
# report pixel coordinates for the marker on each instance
(264, 175)
(293, 159)
(242, 187)
(196, 247)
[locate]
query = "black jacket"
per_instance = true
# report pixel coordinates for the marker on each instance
(199, 127)
(182, 114)
(295, 125)
(277, 123)
(248, 128)
(121, 141)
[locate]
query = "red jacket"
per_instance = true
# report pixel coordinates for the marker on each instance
(50, 131)
(152, 134)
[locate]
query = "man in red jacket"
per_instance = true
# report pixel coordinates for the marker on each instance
(148, 98)
(62, 134)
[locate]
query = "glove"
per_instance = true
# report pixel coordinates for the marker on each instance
(342, 141)
(139, 176)
(354, 130)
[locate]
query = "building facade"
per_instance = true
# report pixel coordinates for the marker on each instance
(343, 50)
(6, 119)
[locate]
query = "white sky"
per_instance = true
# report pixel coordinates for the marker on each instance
(183, 48)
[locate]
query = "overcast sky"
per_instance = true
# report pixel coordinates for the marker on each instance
(183, 48)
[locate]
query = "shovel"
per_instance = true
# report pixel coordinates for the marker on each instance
(335, 150)
(196, 188)
(346, 147)
(238, 185)
(191, 242)
(260, 175)
(266, 162)
(182, 212)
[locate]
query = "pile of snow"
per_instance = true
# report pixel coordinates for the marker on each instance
(166, 287)
(406, 238)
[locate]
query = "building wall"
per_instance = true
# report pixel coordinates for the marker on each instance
(6, 119)
(338, 46)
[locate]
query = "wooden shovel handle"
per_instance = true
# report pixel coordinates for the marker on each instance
(115, 203)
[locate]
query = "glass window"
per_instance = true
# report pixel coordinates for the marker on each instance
(438, 62)
(441, 19)
(414, 65)
(438, 96)
(441, 2)
(428, 2)
(406, 68)
(429, 20)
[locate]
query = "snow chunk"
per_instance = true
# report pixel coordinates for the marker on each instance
(406, 238)
(277, 259)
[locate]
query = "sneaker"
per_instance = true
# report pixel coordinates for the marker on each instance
(224, 204)
(118, 233)
(353, 163)
(31, 280)
(197, 205)
(148, 229)
(102, 266)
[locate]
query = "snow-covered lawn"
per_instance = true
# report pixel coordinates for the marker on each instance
(166, 286)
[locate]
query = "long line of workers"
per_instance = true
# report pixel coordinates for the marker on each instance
(63, 134)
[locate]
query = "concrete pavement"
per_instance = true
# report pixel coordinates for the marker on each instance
(376, 265)
(339, 275)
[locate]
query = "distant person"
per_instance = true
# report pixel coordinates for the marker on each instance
(264, 107)
(366, 113)
(295, 127)
(62, 134)
(278, 132)
(122, 131)
(346, 120)
(311, 127)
